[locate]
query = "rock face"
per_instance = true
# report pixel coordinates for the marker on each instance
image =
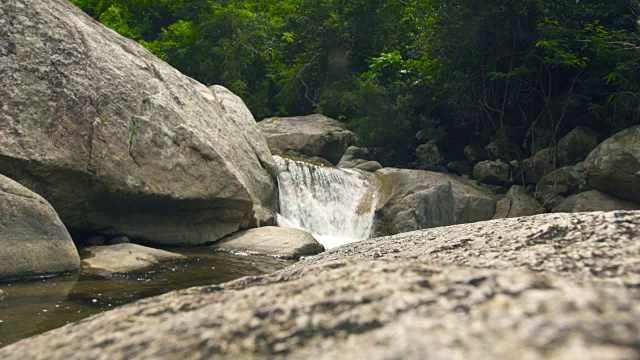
(281, 242)
(492, 173)
(413, 199)
(614, 166)
(522, 204)
(401, 297)
(33, 240)
(594, 201)
(117, 140)
(313, 135)
(576, 146)
(125, 258)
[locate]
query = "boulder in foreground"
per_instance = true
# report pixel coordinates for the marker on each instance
(399, 297)
(118, 141)
(125, 258)
(282, 242)
(33, 240)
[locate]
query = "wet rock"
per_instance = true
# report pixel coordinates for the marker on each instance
(124, 258)
(492, 173)
(405, 296)
(614, 166)
(119, 240)
(33, 240)
(282, 242)
(370, 166)
(313, 135)
(594, 201)
(94, 122)
(522, 204)
(577, 145)
(539, 165)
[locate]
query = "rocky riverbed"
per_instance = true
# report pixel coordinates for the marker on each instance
(556, 286)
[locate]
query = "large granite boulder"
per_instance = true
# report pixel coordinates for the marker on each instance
(576, 146)
(560, 286)
(614, 166)
(593, 201)
(33, 240)
(117, 140)
(353, 156)
(312, 135)
(412, 199)
(522, 203)
(281, 242)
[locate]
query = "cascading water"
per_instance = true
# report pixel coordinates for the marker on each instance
(335, 205)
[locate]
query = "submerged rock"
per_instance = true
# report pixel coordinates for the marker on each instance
(282, 242)
(614, 166)
(345, 304)
(33, 240)
(125, 258)
(312, 135)
(117, 140)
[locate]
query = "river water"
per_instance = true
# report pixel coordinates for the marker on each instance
(32, 307)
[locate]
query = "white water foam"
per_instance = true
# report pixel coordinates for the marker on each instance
(335, 205)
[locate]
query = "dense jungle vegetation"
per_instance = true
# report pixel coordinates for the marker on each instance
(523, 72)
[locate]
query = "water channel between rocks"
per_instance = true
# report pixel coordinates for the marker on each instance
(32, 307)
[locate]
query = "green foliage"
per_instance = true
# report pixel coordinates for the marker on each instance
(455, 69)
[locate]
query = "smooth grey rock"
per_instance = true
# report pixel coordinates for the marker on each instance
(429, 155)
(33, 240)
(119, 240)
(460, 167)
(124, 258)
(117, 140)
(614, 166)
(522, 204)
(474, 154)
(97, 240)
(312, 135)
(357, 152)
(370, 166)
(594, 201)
(502, 208)
(413, 199)
(400, 297)
(282, 242)
(576, 146)
(539, 165)
(492, 173)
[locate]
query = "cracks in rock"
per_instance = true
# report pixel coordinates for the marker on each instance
(132, 135)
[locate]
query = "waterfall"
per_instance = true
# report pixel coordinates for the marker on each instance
(335, 205)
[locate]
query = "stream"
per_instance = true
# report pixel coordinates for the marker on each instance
(29, 308)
